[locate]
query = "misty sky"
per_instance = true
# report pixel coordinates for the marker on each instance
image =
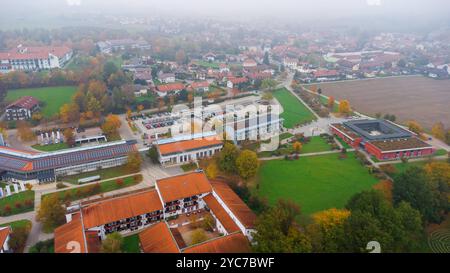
(289, 9)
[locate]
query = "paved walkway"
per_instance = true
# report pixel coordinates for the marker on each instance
(304, 155)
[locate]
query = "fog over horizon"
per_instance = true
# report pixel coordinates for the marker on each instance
(412, 12)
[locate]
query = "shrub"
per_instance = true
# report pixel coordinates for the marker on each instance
(119, 182)
(28, 203)
(60, 185)
(18, 205)
(7, 209)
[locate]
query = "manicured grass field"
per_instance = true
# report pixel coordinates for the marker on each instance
(18, 224)
(53, 97)
(315, 182)
(131, 244)
(104, 174)
(17, 198)
(81, 192)
(316, 144)
(295, 112)
(51, 147)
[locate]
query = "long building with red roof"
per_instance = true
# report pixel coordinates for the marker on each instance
(34, 58)
(151, 212)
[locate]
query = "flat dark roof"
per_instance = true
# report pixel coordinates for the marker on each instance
(377, 129)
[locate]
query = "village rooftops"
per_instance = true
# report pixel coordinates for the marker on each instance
(158, 239)
(202, 84)
(121, 208)
(176, 86)
(234, 203)
(400, 144)
(188, 145)
(26, 102)
(376, 129)
(183, 186)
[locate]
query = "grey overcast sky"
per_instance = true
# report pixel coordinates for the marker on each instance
(289, 9)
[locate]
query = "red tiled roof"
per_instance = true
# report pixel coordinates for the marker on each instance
(4, 233)
(187, 145)
(26, 102)
(220, 213)
(237, 80)
(69, 236)
(34, 53)
(233, 243)
(121, 208)
(325, 73)
(158, 239)
(182, 186)
(202, 84)
(176, 86)
(244, 214)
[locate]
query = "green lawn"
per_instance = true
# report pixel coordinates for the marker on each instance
(51, 147)
(316, 144)
(207, 64)
(149, 97)
(343, 143)
(131, 244)
(18, 224)
(82, 192)
(13, 200)
(104, 174)
(294, 111)
(53, 97)
(315, 182)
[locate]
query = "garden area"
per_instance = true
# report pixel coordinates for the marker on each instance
(52, 97)
(50, 147)
(17, 203)
(104, 174)
(294, 111)
(78, 193)
(315, 183)
(308, 145)
(131, 244)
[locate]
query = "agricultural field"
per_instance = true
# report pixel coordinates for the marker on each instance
(415, 97)
(315, 183)
(294, 111)
(53, 97)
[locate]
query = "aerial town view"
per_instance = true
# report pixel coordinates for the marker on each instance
(244, 127)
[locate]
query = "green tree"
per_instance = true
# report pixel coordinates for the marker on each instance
(278, 232)
(227, 158)
(247, 164)
(153, 154)
(113, 243)
(413, 186)
(268, 84)
(373, 218)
